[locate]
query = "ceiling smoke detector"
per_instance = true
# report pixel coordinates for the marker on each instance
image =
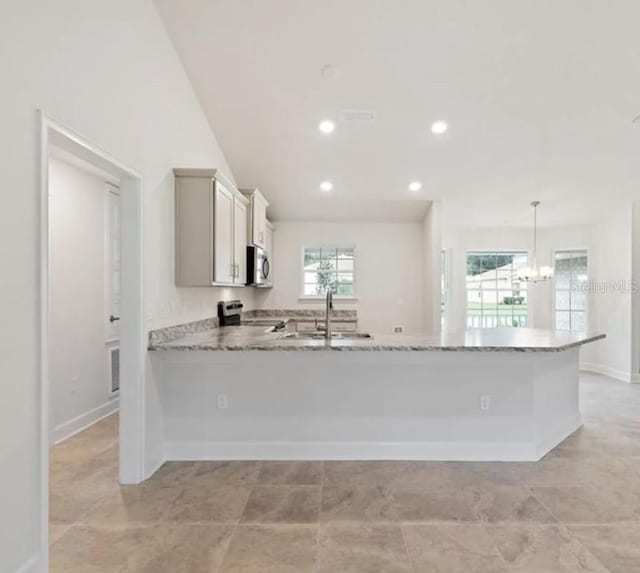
(328, 72)
(361, 115)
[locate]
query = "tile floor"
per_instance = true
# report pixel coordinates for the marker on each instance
(577, 510)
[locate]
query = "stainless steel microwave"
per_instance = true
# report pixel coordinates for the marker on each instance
(258, 267)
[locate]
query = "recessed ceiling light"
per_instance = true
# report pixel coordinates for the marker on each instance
(326, 126)
(415, 186)
(439, 127)
(326, 186)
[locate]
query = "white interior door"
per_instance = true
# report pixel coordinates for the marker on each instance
(240, 241)
(113, 263)
(224, 270)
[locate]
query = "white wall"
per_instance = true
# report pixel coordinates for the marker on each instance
(611, 310)
(635, 296)
(388, 270)
(80, 391)
(432, 248)
(108, 71)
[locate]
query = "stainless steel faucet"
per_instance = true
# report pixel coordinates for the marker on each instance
(327, 322)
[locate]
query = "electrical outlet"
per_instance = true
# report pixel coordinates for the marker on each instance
(398, 329)
(223, 401)
(485, 402)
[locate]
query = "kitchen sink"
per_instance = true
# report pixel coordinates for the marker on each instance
(316, 335)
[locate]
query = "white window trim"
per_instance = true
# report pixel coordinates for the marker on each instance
(317, 297)
(530, 301)
(553, 294)
(445, 271)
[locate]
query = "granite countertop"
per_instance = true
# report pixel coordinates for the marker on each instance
(253, 337)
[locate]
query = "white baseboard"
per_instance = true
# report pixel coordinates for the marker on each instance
(29, 566)
(623, 375)
(427, 451)
(83, 421)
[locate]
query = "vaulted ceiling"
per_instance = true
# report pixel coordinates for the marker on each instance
(539, 97)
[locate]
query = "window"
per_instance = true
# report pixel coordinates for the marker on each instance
(495, 297)
(325, 268)
(570, 306)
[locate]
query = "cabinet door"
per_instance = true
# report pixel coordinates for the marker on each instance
(259, 221)
(240, 241)
(223, 235)
(269, 249)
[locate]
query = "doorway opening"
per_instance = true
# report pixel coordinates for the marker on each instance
(123, 299)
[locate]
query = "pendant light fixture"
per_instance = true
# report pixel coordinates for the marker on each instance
(534, 273)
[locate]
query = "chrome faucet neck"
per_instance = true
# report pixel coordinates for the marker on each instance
(329, 308)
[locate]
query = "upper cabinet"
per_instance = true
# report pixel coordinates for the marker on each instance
(211, 229)
(270, 249)
(258, 217)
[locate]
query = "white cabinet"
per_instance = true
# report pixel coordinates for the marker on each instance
(240, 240)
(258, 216)
(211, 229)
(269, 247)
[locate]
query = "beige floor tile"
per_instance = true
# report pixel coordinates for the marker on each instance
(105, 429)
(578, 472)
(353, 503)
(88, 549)
(463, 474)
(498, 503)
(590, 504)
(290, 473)
(361, 548)
(542, 548)
(172, 474)
(79, 450)
(616, 547)
(188, 549)
(132, 505)
(159, 548)
(283, 504)
(452, 548)
(362, 474)
(56, 531)
(597, 440)
(386, 473)
(444, 504)
(272, 549)
(81, 460)
(69, 501)
(216, 503)
(239, 473)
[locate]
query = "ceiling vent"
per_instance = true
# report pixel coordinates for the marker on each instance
(361, 115)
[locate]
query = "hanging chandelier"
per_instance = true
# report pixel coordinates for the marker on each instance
(534, 273)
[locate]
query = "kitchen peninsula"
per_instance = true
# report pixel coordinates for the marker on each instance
(253, 391)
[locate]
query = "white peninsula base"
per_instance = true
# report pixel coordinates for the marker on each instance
(505, 405)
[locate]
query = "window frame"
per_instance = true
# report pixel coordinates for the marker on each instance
(316, 297)
(555, 289)
(498, 251)
(445, 287)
